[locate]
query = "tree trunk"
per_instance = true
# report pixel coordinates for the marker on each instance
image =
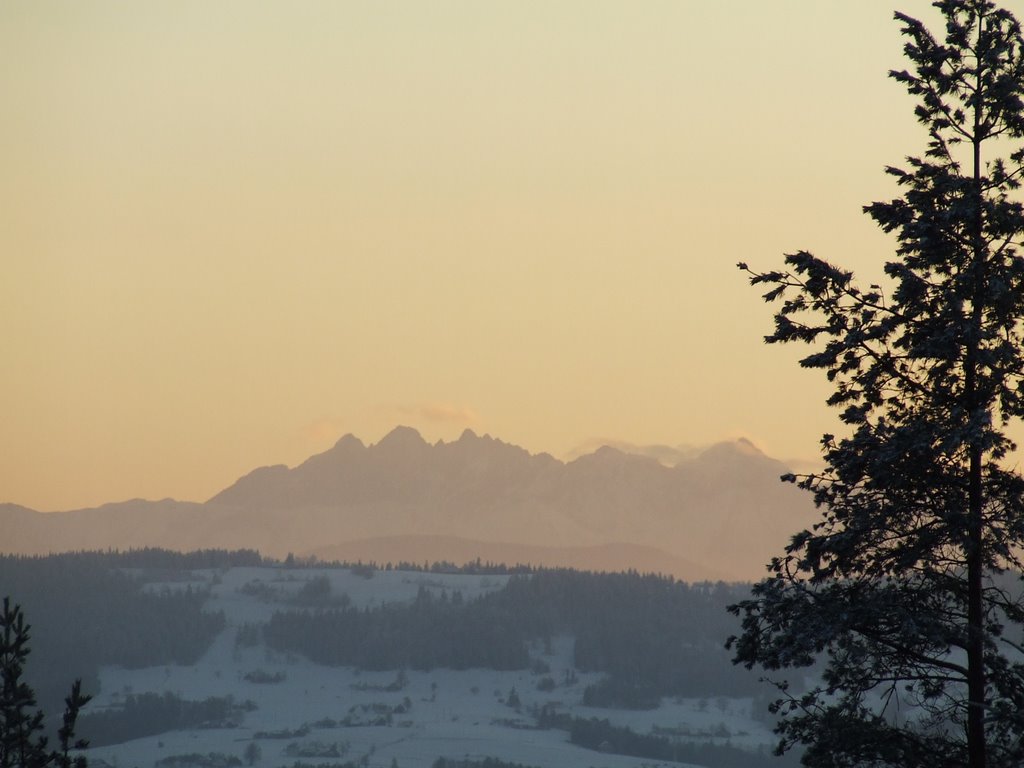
(976, 746)
(975, 621)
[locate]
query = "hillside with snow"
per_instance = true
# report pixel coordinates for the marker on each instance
(268, 704)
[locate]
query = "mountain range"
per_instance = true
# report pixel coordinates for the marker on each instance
(717, 513)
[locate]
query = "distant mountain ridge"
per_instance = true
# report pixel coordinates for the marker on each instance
(722, 511)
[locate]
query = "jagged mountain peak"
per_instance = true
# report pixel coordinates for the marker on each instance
(401, 437)
(724, 509)
(348, 441)
(740, 449)
(603, 455)
(348, 448)
(470, 442)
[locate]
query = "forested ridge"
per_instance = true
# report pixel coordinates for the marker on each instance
(146, 714)
(85, 611)
(654, 636)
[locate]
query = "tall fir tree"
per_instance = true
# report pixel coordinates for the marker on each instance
(902, 592)
(22, 743)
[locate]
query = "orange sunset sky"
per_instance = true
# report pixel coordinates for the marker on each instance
(231, 232)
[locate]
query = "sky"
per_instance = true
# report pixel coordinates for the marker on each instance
(231, 232)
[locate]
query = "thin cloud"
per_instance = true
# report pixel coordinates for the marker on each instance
(440, 413)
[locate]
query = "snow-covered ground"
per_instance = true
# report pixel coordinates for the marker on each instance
(450, 713)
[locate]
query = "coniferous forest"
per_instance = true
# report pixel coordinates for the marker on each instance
(89, 609)
(611, 642)
(653, 636)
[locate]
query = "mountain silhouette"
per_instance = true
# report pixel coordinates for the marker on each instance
(720, 512)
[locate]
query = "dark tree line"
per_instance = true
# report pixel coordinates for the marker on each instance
(115, 620)
(431, 632)
(654, 636)
(600, 735)
(486, 762)
(147, 714)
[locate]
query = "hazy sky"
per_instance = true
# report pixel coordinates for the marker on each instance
(231, 232)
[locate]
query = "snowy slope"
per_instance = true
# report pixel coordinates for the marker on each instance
(450, 713)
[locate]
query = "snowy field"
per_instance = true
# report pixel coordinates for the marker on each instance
(442, 713)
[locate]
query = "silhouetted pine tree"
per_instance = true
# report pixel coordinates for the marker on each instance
(898, 586)
(22, 743)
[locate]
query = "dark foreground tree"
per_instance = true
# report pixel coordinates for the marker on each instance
(905, 593)
(22, 743)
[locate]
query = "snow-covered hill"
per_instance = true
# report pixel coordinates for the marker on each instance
(384, 718)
